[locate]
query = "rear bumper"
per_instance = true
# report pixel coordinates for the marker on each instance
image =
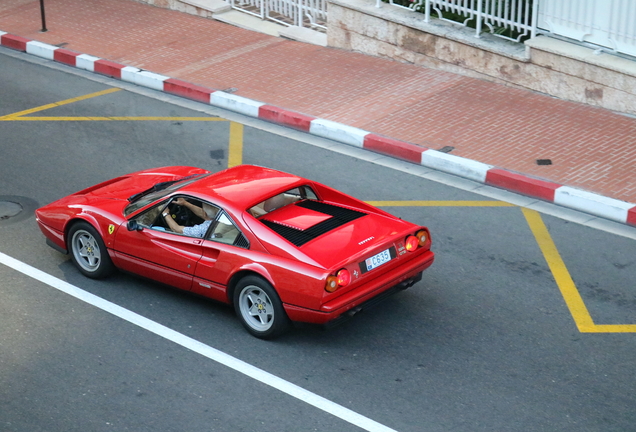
(374, 301)
(345, 307)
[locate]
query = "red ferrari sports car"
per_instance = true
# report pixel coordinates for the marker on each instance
(278, 247)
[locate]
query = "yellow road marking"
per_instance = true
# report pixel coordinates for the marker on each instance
(235, 150)
(56, 104)
(440, 204)
(561, 275)
(564, 281)
(613, 328)
(132, 118)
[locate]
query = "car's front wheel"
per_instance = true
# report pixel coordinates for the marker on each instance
(259, 308)
(88, 251)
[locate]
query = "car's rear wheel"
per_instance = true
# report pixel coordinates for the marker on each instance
(259, 308)
(88, 251)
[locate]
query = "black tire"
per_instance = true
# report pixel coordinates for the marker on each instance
(259, 308)
(88, 251)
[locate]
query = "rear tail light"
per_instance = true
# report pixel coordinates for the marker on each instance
(422, 236)
(411, 243)
(332, 284)
(420, 239)
(342, 278)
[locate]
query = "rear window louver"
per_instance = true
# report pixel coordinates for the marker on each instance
(339, 217)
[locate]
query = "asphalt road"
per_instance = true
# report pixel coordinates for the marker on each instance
(490, 339)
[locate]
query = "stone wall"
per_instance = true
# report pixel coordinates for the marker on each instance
(543, 64)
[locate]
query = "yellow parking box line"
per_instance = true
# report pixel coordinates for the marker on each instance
(440, 204)
(561, 275)
(613, 328)
(56, 104)
(235, 151)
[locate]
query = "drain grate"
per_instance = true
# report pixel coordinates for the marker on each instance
(446, 149)
(544, 161)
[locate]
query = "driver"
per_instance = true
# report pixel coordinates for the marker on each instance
(205, 212)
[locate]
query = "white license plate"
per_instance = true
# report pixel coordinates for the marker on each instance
(378, 260)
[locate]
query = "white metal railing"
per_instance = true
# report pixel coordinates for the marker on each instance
(303, 13)
(494, 15)
(252, 7)
(315, 12)
(281, 11)
(605, 23)
(608, 23)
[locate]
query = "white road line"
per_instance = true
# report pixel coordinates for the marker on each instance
(198, 347)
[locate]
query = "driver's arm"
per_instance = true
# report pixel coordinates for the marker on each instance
(171, 222)
(193, 208)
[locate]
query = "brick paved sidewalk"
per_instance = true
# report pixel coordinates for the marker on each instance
(590, 148)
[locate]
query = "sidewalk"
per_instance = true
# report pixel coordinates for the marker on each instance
(590, 148)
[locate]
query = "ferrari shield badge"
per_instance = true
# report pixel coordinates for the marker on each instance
(111, 229)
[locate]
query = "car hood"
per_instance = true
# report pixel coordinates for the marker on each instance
(109, 197)
(125, 186)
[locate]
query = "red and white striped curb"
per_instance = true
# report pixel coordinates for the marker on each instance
(598, 205)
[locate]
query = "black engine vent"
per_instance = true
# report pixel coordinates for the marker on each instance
(340, 216)
(242, 242)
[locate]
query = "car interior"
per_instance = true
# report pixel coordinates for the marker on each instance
(281, 200)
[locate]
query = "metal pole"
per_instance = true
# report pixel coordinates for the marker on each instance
(535, 16)
(43, 17)
(478, 26)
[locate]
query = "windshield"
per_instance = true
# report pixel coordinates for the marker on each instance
(151, 196)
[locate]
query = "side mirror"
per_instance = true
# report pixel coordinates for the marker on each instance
(132, 225)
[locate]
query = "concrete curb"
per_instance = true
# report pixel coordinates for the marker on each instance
(597, 205)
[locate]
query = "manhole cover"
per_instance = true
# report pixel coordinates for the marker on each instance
(15, 208)
(9, 209)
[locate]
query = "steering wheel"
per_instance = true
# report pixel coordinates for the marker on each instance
(180, 214)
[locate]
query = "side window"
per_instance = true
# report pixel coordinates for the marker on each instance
(150, 216)
(192, 216)
(224, 230)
